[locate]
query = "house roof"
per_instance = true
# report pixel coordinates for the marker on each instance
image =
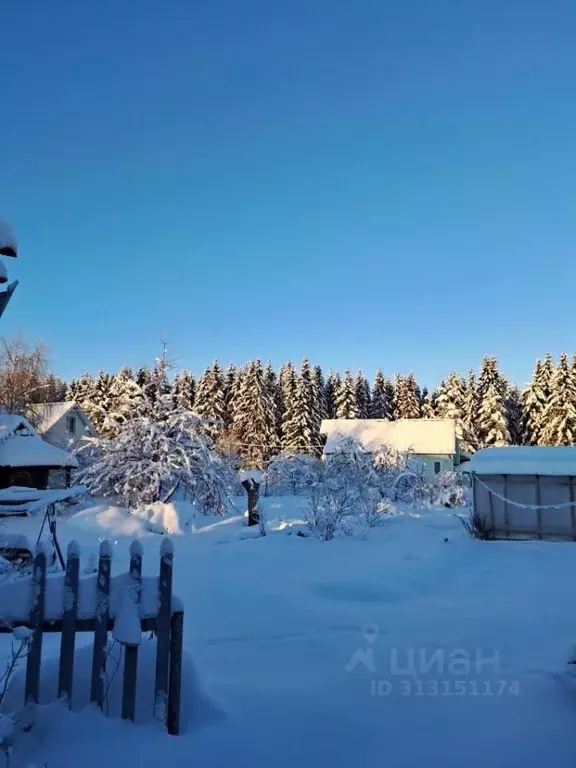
(49, 414)
(423, 436)
(8, 245)
(524, 460)
(21, 446)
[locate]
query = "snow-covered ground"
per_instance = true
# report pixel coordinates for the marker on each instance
(416, 646)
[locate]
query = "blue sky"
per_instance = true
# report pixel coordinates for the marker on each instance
(371, 184)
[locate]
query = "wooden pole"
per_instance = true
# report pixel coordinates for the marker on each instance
(163, 631)
(131, 651)
(176, 643)
(572, 509)
(506, 515)
(539, 510)
(68, 639)
(35, 624)
(101, 625)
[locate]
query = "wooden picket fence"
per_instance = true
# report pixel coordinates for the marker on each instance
(167, 623)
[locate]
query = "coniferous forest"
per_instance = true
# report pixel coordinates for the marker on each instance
(258, 411)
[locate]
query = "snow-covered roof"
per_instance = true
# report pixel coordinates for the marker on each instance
(423, 436)
(524, 460)
(21, 446)
(8, 245)
(49, 414)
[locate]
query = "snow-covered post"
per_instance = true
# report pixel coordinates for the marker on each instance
(251, 480)
(101, 624)
(35, 624)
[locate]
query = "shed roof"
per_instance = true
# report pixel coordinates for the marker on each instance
(423, 436)
(21, 446)
(524, 460)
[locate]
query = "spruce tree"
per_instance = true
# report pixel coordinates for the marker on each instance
(378, 400)
(536, 398)
(232, 382)
(492, 422)
(125, 402)
(254, 421)
(470, 441)
(301, 429)
(273, 388)
(345, 401)
(210, 401)
(362, 401)
(330, 393)
(184, 390)
(559, 417)
(515, 416)
(287, 384)
(426, 405)
(407, 398)
(319, 395)
(450, 398)
(98, 404)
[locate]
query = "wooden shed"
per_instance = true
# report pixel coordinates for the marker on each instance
(28, 461)
(525, 491)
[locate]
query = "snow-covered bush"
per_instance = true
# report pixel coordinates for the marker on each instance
(401, 478)
(292, 473)
(449, 489)
(345, 495)
(150, 460)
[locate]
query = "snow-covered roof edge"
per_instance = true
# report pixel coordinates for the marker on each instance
(555, 461)
(49, 414)
(420, 436)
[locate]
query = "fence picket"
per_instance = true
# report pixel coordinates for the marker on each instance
(163, 631)
(35, 624)
(68, 639)
(131, 651)
(176, 640)
(101, 624)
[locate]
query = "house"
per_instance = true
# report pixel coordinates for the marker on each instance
(433, 442)
(62, 424)
(526, 491)
(26, 460)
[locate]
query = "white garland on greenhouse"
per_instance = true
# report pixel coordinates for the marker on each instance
(564, 505)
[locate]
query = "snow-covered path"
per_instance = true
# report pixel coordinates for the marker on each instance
(273, 626)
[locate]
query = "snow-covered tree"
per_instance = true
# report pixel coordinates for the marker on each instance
(450, 398)
(97, 404)
(232, 386)
(536, 398)
(380, 407)
(210, 401)
(125, 402)
(362, 396)
(470, 441)
(81, 389)
(407, 397)
(301, 424)
(345, 401)
(292, 473)
(426, 405)
(287, 384)
(273, 388)
(559, 417)
(184, 390)
(254, 420)
(515, 416)
(331, 390)
(150, 460)
(319, 396)
(492, 421)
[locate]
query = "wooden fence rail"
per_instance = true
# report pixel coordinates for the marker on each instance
(153, 605)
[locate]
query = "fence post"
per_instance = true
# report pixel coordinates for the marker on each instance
(101, 624)
(176, 638)
(35, 624)
(163, 631)
(131, 651)
(68, 639)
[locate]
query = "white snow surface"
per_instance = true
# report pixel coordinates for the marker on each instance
(558, 461)
(417, 646)
(21, 446)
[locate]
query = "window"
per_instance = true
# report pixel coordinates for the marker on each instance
(22, 478)
(71, 424)
(437, 467)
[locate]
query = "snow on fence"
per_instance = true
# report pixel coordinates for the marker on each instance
(125, 605)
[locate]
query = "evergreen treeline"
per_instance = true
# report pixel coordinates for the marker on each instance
(258, 411)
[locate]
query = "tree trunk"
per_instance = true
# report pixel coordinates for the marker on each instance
(253, 491)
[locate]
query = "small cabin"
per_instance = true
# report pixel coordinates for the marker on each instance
(62, 424)
(432, 442)
(26, 460)
(526, 491)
